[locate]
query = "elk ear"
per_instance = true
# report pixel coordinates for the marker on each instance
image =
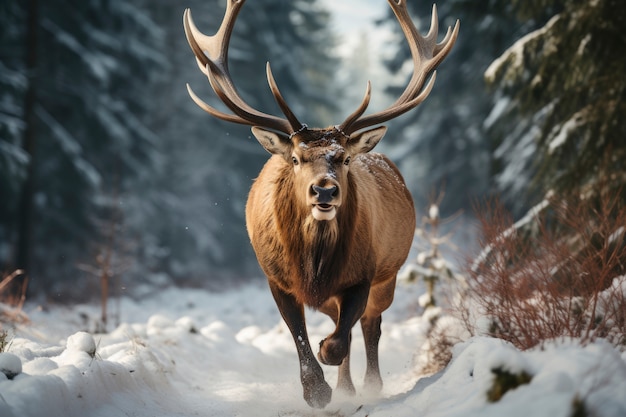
(365, 141)
(274, 143)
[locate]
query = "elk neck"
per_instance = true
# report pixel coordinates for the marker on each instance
(316, 249)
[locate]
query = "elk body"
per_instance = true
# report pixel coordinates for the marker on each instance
(331, 222)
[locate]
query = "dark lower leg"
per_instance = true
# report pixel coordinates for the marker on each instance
(371, 336)
(317, 392)
(344, 380)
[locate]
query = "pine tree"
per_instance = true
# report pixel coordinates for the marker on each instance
(81, 129)
(559, 136)
(563, 91)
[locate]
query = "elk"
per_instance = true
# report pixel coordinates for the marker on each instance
(331, 223)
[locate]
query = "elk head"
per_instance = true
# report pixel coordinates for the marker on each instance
(319, 158)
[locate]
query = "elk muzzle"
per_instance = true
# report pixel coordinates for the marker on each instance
(325, 199)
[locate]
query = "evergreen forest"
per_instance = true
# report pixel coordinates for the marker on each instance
(108, 168)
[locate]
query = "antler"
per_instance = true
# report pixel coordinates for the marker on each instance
(426, 53)
(214, 64)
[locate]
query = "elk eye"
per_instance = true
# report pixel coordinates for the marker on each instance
(346, 161)
(295, 160)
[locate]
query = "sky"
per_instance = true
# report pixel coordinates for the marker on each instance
(351, 15)
(354, 22)
(351, 18)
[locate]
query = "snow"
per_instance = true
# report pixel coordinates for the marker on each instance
(70, 146)
(14, 154)
(530, 216)
(513, 57)
(566, 130)
(433, 211)
(496, 113)
(10, 365)
(184, 352)
(81, 342)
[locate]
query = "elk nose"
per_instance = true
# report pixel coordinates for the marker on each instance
(325, 195)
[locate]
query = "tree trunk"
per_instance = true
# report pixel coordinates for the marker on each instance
(26, 200)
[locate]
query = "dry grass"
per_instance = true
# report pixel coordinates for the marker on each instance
(12, 298)
(436, 352)
(559, 273)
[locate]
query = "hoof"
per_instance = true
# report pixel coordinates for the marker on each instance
(373, 383)
(332, 351)
(346, 388)
(318, 396)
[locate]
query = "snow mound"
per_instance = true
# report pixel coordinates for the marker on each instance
(10, 365)
(82, 342)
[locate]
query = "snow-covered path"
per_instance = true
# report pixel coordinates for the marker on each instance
(192, 353)
(189, 352)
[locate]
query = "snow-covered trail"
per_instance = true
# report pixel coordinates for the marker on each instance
(207, 354)
(182, 353)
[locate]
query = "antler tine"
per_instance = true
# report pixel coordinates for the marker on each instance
(444, 41)
(426, 54)
(360, 110)
(213, 111)
(280, 100)
(244, 115)
(383, 116)
(431, 36)
(212, 57)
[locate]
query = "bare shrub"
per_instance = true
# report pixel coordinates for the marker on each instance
(558, 272)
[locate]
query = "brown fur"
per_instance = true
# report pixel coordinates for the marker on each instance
(346, 266)
(314, 260)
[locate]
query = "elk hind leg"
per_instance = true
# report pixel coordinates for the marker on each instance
(344, 379)
(381, 296)
(371, 335)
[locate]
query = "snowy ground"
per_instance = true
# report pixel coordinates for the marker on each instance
(191, 353)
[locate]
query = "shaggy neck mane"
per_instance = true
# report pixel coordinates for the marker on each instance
(315, 249)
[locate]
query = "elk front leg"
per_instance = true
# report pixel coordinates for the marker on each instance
(317, 392)
(352, 304)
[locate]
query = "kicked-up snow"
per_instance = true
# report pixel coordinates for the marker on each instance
(194, 353)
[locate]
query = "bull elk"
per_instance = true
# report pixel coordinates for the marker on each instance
(331, 223)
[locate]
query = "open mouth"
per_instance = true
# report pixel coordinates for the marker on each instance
(324, 207)
(324, 211)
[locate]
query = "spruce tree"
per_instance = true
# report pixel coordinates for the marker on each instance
(81, 131)
(563, 91)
